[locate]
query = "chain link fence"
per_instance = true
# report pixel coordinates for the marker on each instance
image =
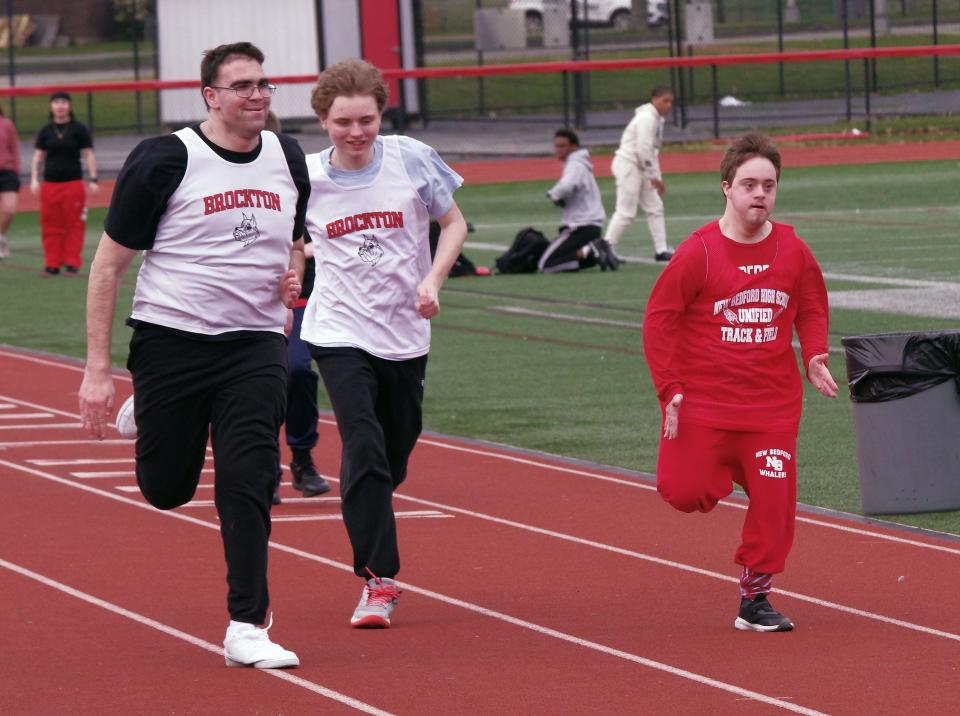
(118, 42)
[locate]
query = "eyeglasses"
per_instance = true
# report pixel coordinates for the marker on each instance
(245, 90)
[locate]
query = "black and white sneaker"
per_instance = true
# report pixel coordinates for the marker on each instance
(605, 256)
(758, 614)
(305, 477)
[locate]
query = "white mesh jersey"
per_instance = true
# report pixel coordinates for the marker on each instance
(222, 244)
(372, 250)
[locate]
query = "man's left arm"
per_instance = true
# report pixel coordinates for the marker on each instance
(90, 159)
(567, 186)
(291, 283)
(453, 232)
(812, 322)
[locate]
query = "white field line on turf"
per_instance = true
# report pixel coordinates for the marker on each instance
(469, 606)
(516, 310)
(184, 636)
(487, 453)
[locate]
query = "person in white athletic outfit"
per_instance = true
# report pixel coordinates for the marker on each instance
(367, 320)
(636, 169)
(217, 210)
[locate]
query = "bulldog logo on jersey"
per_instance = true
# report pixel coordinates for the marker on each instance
(247, 232)
(370, 251)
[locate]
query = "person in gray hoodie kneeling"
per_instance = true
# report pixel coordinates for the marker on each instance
(579, 243)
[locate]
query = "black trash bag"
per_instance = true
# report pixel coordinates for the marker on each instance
(891, 366)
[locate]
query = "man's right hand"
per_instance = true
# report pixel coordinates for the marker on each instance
(659, 186)
(96, 403)
(671, 418)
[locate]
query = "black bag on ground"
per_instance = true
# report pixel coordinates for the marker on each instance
(462, 266)
(524, 253)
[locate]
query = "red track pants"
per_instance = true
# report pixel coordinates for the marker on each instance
(62, 219)
(698, 468)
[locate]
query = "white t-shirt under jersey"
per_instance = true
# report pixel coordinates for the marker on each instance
(372, 250)
(222, 244)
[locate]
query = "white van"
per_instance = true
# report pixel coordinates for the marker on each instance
(613, 13)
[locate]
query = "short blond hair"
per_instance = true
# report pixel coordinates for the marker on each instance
(349, 78)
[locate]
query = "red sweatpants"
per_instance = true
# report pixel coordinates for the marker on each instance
(698, 468)
(62, 223)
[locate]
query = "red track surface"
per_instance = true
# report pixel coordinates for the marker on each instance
(537, 586)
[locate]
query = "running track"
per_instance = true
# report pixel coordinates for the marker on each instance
(532, 585)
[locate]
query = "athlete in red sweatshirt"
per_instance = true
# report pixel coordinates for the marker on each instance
(718, 338)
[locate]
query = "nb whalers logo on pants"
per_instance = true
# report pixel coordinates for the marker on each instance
(771, 462)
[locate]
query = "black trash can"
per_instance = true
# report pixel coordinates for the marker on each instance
(905, 389)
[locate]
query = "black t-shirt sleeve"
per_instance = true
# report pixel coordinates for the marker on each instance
(150, 175)
(84, 140)
(41, 142)
(301, 178)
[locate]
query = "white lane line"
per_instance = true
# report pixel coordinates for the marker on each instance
(35, 406)
(644, 486)
(41, 426)
(501, 456)
(24, 416)
(184, 636)
(116, 473)
(477, 609)
(409, 514)
(83, 461)
(7, 406)
(60, 443)
(674, 565)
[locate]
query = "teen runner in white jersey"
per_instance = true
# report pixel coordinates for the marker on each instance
(217, 209)
(367, 318)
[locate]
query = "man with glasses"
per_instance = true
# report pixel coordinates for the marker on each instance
(218, 210)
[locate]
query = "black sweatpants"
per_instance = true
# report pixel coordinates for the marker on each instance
(561, 254)
(235, 391)
(378, 404)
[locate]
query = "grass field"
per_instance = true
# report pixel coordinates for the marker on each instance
(522, 359)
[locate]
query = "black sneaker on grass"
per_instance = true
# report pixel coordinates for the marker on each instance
(758, 614)
(306, 479)
(605, 256)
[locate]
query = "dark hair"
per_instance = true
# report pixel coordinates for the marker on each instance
(213, 59)
(661, 90)
(744, 148)
(350, 78)
(568, 134)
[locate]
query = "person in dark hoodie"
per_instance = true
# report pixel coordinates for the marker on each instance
(579, 244)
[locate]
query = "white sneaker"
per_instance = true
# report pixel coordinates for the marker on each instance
(248, 645)
(126, 423)
(4, 248)
(377, 602)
